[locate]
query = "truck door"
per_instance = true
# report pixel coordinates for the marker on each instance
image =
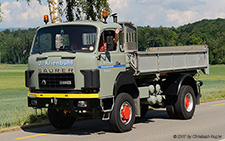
(111, 62)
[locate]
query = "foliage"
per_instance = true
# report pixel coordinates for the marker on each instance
(84, 9)
(13, 43)
(205, 32)
(0, 13)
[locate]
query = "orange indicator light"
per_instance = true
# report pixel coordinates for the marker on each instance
(46, 19)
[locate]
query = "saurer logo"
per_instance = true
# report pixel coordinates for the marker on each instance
(55, 70)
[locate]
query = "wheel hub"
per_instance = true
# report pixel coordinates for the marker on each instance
(125, 113)
(188, 102)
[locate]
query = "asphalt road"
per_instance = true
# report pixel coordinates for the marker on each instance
(208, 124)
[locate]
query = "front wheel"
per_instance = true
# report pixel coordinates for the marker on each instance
(59, 119)
(123, 115)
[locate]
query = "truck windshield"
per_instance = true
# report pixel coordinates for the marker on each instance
(72, 38)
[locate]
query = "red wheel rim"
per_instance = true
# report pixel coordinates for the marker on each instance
(125, 112)
(188, 102)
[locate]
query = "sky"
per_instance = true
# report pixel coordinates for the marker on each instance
(155, 13)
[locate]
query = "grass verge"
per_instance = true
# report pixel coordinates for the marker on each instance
(13, 98)
(213, 85)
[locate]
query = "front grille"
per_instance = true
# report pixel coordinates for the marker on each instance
(56, 80)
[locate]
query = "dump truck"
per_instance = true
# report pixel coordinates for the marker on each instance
(70, 75)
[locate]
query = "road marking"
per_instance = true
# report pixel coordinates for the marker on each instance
(47, 133)
(219, 104)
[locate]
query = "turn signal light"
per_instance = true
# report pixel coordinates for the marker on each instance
(46, 19)
(31, 89)
(90, 90)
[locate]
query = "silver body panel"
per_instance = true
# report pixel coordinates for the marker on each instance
(170, 59)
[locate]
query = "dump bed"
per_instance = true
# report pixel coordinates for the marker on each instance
(170, 59)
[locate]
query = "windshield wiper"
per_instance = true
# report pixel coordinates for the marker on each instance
(66, 48)
(72, 51)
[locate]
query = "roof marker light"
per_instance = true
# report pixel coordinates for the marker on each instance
(46, 19)
(104, 15)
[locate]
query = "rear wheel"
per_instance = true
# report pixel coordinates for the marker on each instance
(184, 106)
(123, 115)
(59, 119)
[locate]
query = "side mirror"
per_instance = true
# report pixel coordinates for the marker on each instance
(109, 41)
(58, 41)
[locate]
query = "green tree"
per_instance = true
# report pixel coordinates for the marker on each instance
(195, 40)
(13, 43)
(0, 13)
(82, 9)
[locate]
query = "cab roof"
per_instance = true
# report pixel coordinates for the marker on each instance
(99, 25)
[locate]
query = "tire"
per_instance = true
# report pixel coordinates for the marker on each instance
(144, 110)
(182, 107)
(123, 115)
(186, 101)
(60, 120)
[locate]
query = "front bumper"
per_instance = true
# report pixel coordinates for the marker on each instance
(61, 100)
(64, 96)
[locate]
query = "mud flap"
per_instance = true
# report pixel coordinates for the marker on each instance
(137, 106)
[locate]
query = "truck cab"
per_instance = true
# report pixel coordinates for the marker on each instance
(67, 57)
(67, 65)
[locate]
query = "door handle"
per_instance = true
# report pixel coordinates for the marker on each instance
(117, 63)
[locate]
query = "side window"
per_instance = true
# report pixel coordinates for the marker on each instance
(103, 40)
(101, 43)
(121, 41)
(88, 38)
